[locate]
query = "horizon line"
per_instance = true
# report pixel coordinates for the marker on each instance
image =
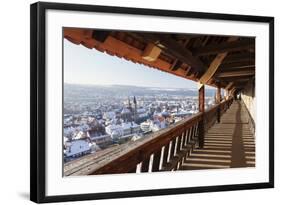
(87, 84)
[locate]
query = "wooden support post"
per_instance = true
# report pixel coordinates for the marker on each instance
(201, 98)
(218, 95)
(201, 109)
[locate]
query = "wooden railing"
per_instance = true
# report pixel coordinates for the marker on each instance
(161, 151)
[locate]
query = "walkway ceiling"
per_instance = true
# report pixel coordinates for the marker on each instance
(225, 61)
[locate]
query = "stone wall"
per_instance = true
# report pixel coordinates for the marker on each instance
(249, 98)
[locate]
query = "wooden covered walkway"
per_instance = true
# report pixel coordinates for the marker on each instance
(224, 62)
(228, 144)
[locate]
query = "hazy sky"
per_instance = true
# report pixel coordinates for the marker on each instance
(89, 66)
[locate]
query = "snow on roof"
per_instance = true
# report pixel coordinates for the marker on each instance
(129, 125)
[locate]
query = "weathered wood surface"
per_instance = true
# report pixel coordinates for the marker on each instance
(225, 47)
(230, 143)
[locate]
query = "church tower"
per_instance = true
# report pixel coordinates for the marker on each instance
(135, 109)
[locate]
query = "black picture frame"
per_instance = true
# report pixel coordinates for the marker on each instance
(38, 100)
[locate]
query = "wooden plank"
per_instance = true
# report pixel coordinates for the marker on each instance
(151, 52)
(237, 79)
(100, 35)
(75, 35)
(183, 137)
(165, 154)
(229, 86)
(201, 109)
(215, 65)
(218, 95)
(172, 165)
(178, 144)
(174, 48)
(248, 57)
(232, 91)
(176, 64)
(212, 68)
(134, 170)
(192, 134)
(235, 65)
(225, 47)
(186, 137)
(235, 73)
(173, 146)
(201, 96)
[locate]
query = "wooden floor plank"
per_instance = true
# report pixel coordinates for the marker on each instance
(229, 143)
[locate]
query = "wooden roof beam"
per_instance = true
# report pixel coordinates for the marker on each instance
(151, 52)
(166, 43)
(235, 73)
(100, 35)
(234, 78)
(248, 57)
(229, 85)
(177, 64)
(238, 80)
(237, 65)
(215, 65)
(225, 47)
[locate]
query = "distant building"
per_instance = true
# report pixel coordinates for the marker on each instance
(126, 114)
(146, 126)
(109, 115)
(77, 148)
(130, 128)
(126, 128)
(101, 140)
(157, 124)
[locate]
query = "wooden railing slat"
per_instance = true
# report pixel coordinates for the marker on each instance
(173, 146)
(165, 155)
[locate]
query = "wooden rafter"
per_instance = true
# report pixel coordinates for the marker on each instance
(151, 52)
(174, 48)
(225, 47)
(229, 85)
(176, 64)
(233, 65)
(235, 73)
(248, 57)
(215, 65)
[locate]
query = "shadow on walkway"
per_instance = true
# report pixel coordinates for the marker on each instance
(228, 144)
